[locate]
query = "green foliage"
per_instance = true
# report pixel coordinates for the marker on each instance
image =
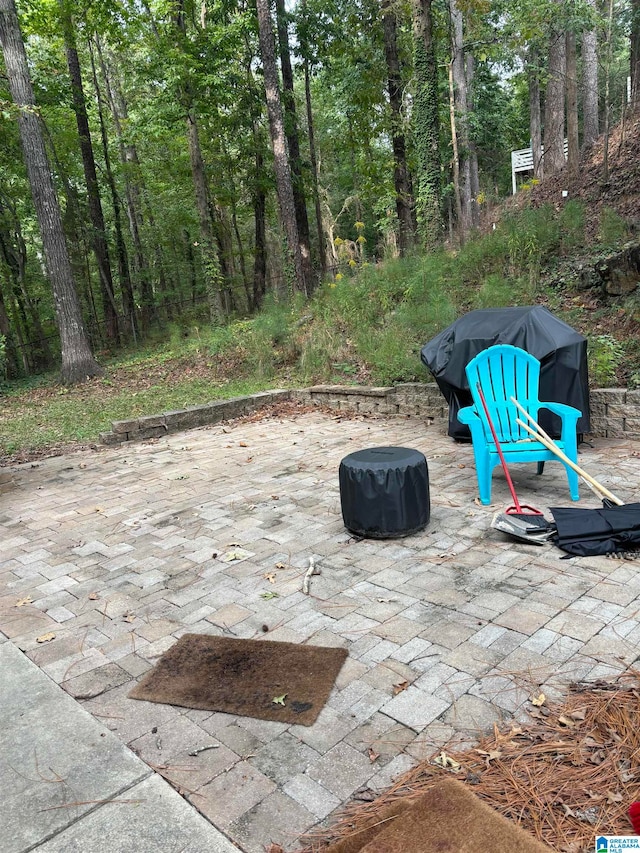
(604, 354)
(613, 230)
(532, 236)
(571, 221)
(498, 292)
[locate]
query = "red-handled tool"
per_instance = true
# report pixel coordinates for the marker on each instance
(523, 511)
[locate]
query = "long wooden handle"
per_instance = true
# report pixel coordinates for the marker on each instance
(550, 445)
(595, 487)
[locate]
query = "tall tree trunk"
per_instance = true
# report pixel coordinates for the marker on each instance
(260, 242)
(278, 143)
(461, 102)
(133, 187)
(573, 144)
(607, 88)
(401, 175)
(456, 156)
(133, 190)
(210, 261)
(96, 217)
(9, 364)
(13, 251)
(210, 258)
(635, 52)
(126, 287)
(554, 160)
(293, 142)
(590, 115)
(78, 362)
(322, 250)
(535, 117)
(474, 176)
(427, 125)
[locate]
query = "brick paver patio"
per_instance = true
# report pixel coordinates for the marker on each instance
(118, 553)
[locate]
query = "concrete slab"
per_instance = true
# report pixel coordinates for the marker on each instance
(157, 820)
(56, 760)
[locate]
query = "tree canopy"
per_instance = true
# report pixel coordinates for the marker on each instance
(204, 154)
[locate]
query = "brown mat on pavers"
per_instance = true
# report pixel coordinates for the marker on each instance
(449, 818)
(284, 682)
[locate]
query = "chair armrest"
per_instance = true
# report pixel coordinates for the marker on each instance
(468, 415)
(569, 415)
(562, 410)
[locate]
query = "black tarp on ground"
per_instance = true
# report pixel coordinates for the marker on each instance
(561, 351)
(588, 532)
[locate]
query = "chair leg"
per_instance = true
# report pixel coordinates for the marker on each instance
(572, 477)
(540, 468)
(484, 471)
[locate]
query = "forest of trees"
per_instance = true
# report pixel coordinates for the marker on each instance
(172, 159)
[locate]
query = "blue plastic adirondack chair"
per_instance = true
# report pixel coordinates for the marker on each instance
(503, 372)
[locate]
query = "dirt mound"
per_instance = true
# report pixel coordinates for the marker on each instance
(620, 192)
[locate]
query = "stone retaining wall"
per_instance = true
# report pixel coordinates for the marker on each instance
(615, 412)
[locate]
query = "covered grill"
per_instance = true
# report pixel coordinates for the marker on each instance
(561, 351)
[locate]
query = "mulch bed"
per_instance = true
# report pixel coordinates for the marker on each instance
(567, 776)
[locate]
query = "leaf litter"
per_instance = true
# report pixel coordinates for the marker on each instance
(565, 784)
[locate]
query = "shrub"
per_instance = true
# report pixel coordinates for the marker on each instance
(604, 354)
(613, 228)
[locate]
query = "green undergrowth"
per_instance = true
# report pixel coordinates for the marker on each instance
(40, 422)
(365, 327)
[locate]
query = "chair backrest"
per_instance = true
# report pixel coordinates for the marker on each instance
(504, 371)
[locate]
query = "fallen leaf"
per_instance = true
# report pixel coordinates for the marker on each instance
(82, 465)
(461, 466)
(398, 688)
(243, 444)
(274, 848)
(279, 700)
(46, 638)
(614, 797)
(268, 595)
(21, 602)
(99, 509)
(93, 596)
(129, 616)
(444, 760)
(538, 700)
(269, 576)
(565, 721)
(281, 566)
(492, 755)
(249, 459)
(372, 755)
(579, 714)
(236, 554)
(275, 497)
(386, 600)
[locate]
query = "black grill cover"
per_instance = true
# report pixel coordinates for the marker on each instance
(384, 492)
(561, 351)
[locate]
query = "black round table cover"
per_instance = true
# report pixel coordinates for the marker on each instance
(384, 492)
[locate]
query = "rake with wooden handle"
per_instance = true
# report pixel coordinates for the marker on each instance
(540, 435)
